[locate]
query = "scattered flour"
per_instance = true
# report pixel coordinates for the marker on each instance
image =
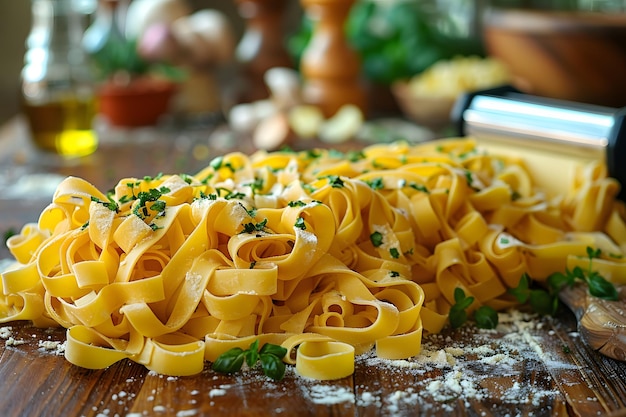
(217, 392)
(6, 333)
(51, 346)
(448, 370)
(187, 413)
(328, 394)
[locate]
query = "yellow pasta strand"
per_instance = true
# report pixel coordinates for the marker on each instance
(326, 254)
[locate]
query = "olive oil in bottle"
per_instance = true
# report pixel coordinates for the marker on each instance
(58, 97)
(63, 126)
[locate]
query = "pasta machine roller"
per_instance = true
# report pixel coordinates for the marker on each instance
(552, 134)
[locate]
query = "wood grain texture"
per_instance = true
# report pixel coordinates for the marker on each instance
(553, 374)
(601, 323)
(541, 368)
(573, 56)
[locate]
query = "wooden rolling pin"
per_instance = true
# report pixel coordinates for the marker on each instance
(554, 137)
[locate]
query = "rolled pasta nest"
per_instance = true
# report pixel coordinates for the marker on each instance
(327, 253)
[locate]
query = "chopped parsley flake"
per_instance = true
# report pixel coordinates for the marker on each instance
(335, 181)
(419, 187)
(252, 227)
(376, 183)
(187, 178)
(313, 154)
(216, 163)
(126, 198)
(354, 156)
(234, 195)
(376, 238)
(300, 224)
(211, 196)
(148, 178)
(111, 205)
(257, 185)
(152, 195)
(252, 212)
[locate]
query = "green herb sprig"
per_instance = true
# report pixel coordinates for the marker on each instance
(485, 316)
(150, 196)
(598, 285)
(335, 181)
(546, 301)
(254, 227)
(376, 183)
(270, 356)
(8, 234)
(110, 204)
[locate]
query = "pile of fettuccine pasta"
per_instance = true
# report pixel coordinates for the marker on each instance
(326, 254)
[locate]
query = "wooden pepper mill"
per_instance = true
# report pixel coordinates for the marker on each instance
(330, 67)
(262, 46)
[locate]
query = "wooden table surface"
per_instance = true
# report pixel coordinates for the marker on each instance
(529, 366)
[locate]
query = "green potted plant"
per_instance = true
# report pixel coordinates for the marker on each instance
(132, 91)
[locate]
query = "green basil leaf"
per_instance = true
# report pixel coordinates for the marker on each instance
(486, 317)
(578, 272)
(251, 357)
(593, 253)
(601, 288)
(459, 294)
(457, 317)
(272, 366)
(521, 292)
(276, 350)
(542, 302)
(558, 281)
(230, 361)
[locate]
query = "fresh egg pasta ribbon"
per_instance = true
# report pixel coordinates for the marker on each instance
(327, 254)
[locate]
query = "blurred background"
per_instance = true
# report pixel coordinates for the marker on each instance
(15, 24)
(414, 56)
(264, 74)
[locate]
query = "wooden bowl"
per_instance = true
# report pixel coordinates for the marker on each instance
(577, 56)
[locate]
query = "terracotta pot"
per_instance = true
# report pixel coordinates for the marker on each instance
(141, 102)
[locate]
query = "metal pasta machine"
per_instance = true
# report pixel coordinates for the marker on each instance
(551, 135)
